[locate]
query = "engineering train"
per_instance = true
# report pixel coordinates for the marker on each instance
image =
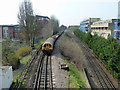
(48, 45)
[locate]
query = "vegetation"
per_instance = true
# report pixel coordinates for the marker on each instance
(37, 45)
(24, 51)
(75, 78)
(55, 25)
(66, 42)
(24, 61)
(8, 48)
(28, 22)
(108, 50)
(15, 57)
(14, 60)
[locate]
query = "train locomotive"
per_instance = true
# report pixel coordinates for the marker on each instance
(48, 45)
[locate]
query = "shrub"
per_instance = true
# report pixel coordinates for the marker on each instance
(14, 60)
(23, 51)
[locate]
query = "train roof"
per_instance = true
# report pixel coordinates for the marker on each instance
(50, 41)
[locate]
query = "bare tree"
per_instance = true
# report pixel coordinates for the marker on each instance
(47, 31)
(54, 24)
(27, 21)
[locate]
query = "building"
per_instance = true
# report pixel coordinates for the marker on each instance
(42, 23)
(6, 77)
(11, 32)
(85, 25)
(106, 28)
(119, 10)
(117, 29)
(6, 31)
(17, 33)
(43, 19)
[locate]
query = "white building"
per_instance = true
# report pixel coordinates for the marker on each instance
(6, 76)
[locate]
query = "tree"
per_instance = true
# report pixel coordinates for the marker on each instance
(54, 24)
(6, 49)
(27, 22)
(63, 27)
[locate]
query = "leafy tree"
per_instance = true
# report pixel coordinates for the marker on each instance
(14, 60)
(6, 49)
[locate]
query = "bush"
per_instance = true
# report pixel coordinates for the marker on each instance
(14, 60)
(24, 51)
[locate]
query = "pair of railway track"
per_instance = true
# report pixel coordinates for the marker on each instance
(44, 77)
(103, 78)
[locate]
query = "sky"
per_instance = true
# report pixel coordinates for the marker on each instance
(68, 12)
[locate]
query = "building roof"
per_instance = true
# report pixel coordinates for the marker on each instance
(42, 16)
(7, 25)
(105, 21)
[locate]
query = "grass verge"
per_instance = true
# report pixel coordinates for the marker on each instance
(24, 60)
(75, 80)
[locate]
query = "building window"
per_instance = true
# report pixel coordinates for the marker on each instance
(10, 33)
(16, 37)
(20, 33)
(15, 33)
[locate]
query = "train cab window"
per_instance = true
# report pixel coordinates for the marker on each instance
(45, 45)
(49, 45)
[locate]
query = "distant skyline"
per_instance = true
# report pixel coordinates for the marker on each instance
(68, 12)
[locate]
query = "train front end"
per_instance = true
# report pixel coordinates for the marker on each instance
(47, 47)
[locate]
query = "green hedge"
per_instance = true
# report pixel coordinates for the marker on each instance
(107, 50)
(24, 51)
(14, 60)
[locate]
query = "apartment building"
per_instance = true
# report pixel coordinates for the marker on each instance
(6, 31)
(106, 28)
(43, 19)
(85, 25)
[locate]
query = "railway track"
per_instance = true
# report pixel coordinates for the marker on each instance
(103, 78)
(44, 77)
(27, 68)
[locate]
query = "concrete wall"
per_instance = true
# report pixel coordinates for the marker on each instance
(6, 76)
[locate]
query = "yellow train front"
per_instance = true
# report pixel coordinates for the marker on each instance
(47, 47)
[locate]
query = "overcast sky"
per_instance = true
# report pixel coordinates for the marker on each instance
(68, 12)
